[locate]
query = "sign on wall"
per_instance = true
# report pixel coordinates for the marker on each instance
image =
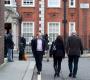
(84, 5)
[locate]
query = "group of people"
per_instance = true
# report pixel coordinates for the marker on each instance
(39, 44)
(72, 47)
(9, 46)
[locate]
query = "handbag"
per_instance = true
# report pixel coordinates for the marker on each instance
(53, 50)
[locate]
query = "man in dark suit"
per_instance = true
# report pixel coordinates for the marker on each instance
(73, 48)
(33, 45)
(38, 48)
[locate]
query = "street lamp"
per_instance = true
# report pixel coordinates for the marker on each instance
(64, 20)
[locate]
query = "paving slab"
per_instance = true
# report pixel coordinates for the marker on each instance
(17, 70)
(48, 72)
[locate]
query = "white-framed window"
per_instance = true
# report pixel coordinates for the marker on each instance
(7, 2)
(28, 31)
(54, 3)
(28, 3)
(72, 3)
(53, 30)
(84, 5)
(71, 27)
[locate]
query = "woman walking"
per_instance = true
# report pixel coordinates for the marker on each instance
(58, 52)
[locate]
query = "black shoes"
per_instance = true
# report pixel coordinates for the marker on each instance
(38, 73)
(56, 75)
(74, 76)
(71, 75)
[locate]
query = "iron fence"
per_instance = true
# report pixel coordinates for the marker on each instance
(86, 41)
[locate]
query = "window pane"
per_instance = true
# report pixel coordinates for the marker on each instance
(72, 2)
(28, 2)
(28, 31)
(71, 27)
(54, 3)
(7, 1)
(53, 30)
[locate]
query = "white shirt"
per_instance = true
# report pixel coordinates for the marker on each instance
(39, 45)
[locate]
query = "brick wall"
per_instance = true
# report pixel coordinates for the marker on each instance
(1, 32)
(29, 13)
(84, 24)
(78, 15)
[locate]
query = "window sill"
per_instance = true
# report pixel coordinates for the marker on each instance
(10, 6)
(27, 6)
(72, 7)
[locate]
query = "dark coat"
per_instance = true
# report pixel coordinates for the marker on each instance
(46, 41)
(34, 45)
(74, 46)
(9, 42)
(60, 50)
(22, 43)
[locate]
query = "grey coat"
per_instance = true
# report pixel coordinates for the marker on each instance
(74, 46)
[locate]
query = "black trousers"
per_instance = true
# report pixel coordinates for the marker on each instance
(21, 53)
(5, 52)
(57, 64)
(73, 64)
(38, 58)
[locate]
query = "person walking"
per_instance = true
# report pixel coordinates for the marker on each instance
(10, 46)
(46, 46)
(74, 48)
(38, 48)
(22, 45)
(58, 51)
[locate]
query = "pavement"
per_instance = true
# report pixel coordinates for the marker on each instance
(25, 70)
(17, 70)
(48, 71)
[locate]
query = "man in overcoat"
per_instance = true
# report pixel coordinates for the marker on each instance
(22, 45)
(74, 49)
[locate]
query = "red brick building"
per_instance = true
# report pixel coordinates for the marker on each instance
(48, 15)
(1, 31)
(29, 12)
(84, 24)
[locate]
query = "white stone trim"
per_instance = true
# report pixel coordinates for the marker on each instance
(12, 4)
(15, 34)
(74, 4)
(9, 4)
(41, 15)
